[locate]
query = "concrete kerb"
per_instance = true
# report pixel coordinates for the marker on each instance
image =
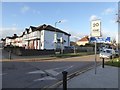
(29, 59)
(39, 59)
(70, 76)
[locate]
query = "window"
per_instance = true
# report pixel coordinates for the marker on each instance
(108, 51)
(58, 40)
(59, 34)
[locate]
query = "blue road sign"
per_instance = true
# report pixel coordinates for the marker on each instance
(99, 40)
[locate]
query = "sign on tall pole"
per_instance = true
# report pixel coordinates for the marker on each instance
(96, 28)
(95, 32)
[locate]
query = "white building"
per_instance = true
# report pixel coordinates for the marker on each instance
(83, 41)
(42, 37)
(18, 41)
(14, 40)
(9, 41)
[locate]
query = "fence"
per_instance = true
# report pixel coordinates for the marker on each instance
(29, 52)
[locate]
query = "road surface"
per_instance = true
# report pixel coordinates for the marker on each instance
(42, 73)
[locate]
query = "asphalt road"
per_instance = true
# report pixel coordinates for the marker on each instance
(41, 74)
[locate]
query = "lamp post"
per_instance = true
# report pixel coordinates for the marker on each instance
(55, 35)
(118, 21)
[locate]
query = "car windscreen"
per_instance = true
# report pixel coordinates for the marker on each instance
(108, 51)
(116, 51)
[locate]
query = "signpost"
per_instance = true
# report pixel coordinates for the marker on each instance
(95, 32)
(96, 28)
(95, 56)
(100, 40)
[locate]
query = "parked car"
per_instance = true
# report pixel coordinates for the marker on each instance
(107, 53)
(116, 53)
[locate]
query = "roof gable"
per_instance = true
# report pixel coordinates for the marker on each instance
(50, 28)
(84, 39)
(43, 27)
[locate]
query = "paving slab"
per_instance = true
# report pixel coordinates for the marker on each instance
(104, 78)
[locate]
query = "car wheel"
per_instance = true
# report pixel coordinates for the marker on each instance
(111, 57)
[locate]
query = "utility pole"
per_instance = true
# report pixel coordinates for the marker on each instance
(75, 45)
(118, 21)
(95, 56)
(55, 37)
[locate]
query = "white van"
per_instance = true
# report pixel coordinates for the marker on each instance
(107, 53)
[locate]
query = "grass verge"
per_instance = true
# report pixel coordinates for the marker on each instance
(114, 62)
(72, 54)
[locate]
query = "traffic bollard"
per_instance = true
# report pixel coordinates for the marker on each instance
(103, 63)
(111, 58)
(64, 80)
(10, 54)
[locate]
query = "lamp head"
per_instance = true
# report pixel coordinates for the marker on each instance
(59, 21)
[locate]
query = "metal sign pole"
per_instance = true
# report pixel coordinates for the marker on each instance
(96, 32)
(95, 57)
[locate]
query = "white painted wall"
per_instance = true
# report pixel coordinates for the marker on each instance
(8, 41)
(48, 40)
(65, 37)
(42, 39)
(38, 47)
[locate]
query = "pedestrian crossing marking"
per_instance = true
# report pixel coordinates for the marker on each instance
(46, 78)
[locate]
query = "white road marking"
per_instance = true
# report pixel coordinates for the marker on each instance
(46, 78)
(54, 73)
(68, 68)
(61, 67)
(35, 72)
(51, 71)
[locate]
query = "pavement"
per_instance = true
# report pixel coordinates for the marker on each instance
(106, 77)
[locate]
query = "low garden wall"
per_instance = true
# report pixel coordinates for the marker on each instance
(29, 52)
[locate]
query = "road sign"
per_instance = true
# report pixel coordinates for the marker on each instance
(95, 28)
(99, 40)
(95, 32)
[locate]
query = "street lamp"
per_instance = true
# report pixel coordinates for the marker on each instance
(118, 21)
(55, 35)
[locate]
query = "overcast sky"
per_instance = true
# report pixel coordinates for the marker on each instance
(76, 17)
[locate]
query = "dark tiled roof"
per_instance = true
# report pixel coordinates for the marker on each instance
(13, 37)
(50, 28)
(45, 27)
(33, 28)
(22, 34)
(26, 29)
(41, 27)
(3, 39)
